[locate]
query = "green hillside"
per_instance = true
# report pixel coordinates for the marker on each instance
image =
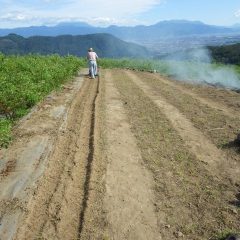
(105, 45)
(228, 54)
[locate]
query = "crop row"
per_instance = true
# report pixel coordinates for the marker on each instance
(25, 80)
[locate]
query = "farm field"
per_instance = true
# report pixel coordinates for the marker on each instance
(25, 81)
(129, 155)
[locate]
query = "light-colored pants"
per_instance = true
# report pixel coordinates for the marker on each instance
(92, 68)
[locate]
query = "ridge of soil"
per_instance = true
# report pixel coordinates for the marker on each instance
(198, 144)
(219, 127)
(207, 101)
(191, 200)
(130, 211)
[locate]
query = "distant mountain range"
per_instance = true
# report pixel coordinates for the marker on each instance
(105, 45)
(141, 33)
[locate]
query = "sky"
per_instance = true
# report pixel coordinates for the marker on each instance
(21, 13)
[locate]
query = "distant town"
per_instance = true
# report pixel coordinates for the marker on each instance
(164, 46)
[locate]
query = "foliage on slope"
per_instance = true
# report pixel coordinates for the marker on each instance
(228, 54)
(25, 80)
(105, 45)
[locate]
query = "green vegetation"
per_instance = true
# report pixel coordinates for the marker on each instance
(228, 54)
(136, 64)
(25, 80)
(5, 129)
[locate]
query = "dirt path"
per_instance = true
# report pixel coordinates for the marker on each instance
(202, 147)
(129, 198)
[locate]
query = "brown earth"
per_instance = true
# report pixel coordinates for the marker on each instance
(129, 155)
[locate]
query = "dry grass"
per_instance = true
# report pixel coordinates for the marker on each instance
(221, 129)
(188, 198)
(227, 97)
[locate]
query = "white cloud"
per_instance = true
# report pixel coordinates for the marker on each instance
(97, 12)
(237, 13)
(13, 16)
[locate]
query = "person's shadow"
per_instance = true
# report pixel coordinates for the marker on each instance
(235, 145)
(236, 202)
(232, 237)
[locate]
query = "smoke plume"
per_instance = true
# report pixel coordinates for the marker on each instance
(196, 66)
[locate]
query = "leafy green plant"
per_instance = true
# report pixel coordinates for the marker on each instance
(25, 80)
(5, 130)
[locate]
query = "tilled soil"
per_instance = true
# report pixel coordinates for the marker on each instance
(48, 190)
(128, 155)
(196, 178)
(129, 196)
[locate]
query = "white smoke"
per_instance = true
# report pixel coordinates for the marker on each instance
(196, 66)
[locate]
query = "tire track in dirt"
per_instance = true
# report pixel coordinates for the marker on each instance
(66, 213)
(129, 198)
(94, 215)
(216, 105)
(58, 207)
(203, 148)
(90, 159)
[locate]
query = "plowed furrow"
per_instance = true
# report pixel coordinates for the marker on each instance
(56, 209)
(192, 196)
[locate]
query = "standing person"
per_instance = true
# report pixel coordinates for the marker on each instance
(92, 62)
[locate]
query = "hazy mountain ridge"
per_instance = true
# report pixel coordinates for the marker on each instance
(105, 45)
(169, 29)
(163, 29)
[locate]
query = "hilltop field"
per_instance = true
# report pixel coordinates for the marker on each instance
(128, 155)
